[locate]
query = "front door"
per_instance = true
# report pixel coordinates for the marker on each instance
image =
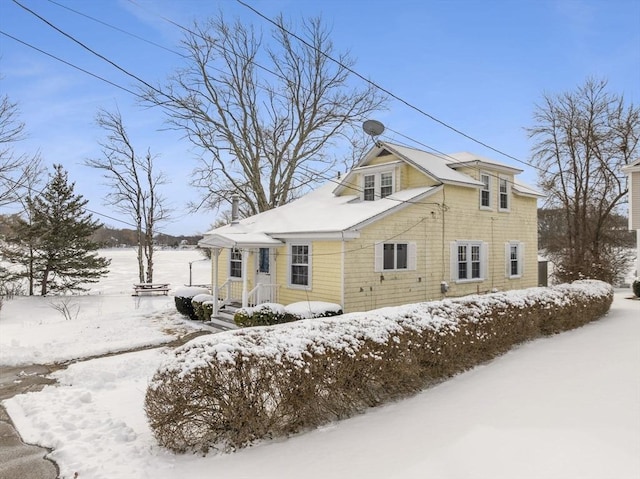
(264, 276)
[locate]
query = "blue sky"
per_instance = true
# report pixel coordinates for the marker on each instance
(479, 66)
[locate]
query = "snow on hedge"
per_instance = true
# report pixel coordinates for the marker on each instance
(296, 340)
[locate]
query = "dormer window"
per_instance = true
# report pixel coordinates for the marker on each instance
(369, 187)
(377, 185)
(386, 184)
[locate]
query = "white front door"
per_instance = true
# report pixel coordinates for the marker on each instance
(264, 276)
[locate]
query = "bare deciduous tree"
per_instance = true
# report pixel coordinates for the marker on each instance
(264, 132)
(134, 186)
(14, 169)
(583, 138)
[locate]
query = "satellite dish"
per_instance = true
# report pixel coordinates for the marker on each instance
(373, 128)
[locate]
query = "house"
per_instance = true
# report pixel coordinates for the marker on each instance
(633, 171)
(403, 226)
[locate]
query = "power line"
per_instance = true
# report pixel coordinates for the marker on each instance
(68, 63)
(379, 87)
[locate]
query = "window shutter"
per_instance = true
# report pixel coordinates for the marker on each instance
(484, 259)
(521, 259)
(378, 257)
(453, 260)
(507, 260)
(412, 260)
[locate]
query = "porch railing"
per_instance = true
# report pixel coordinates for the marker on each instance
(263, 293)
(230, 292)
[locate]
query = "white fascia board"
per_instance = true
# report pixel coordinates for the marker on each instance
(319, 235)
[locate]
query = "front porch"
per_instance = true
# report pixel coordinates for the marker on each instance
(249, 279)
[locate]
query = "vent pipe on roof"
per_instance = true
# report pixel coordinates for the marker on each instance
(235, 204)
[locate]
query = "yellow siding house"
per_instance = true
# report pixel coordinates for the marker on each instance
(403, 226)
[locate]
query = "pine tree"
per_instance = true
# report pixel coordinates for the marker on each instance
(64, 253)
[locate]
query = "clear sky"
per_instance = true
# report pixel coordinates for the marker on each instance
(478, 65)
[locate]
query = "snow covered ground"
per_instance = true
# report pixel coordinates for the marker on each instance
(565, 407)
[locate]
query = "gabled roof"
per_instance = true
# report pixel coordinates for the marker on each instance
(466, 159)
(436, 167)
(318, 213)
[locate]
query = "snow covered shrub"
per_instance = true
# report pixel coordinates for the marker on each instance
(267, 314)
(635, 286)
(197, 302)
(264, 314)
(183, 297)
(313, 309)
(229, 390)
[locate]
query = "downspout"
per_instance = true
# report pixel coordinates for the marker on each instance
(245, 291)
(214, 281)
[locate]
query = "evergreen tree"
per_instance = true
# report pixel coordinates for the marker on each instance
(64, 253)
(19, 248)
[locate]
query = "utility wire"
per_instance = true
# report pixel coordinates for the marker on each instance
(379, 87)
(68, 63)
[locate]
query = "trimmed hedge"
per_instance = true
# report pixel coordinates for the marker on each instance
(268, 314)
(229, 390)
(183, 297)
(200, 308)
(635, 286)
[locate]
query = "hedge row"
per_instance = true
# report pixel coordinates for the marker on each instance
(268, 314)
(229, 390)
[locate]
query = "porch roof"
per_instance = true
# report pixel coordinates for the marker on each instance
(238, 239)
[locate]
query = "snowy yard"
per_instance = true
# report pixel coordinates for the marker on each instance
(565, 407)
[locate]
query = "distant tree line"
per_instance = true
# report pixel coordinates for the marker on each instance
(109, 237)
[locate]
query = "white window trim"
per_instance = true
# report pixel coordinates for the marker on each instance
(508, 193)
(235, 278)
(507, 259)
(290, 245)
(412, 254)
(484, 260)
(490, 176)
(377, 174)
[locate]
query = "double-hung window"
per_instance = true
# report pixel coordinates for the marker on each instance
(395, 256)
(369, 187)
(235, 263)
(514, 259)
(300, 266)
(376, 185)
(485, 191)
(468, 260)
(504, 195)
(386, 184)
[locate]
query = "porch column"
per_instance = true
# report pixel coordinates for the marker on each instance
(215, 255)
(245, 292)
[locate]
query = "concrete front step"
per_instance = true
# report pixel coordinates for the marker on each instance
(222, 321)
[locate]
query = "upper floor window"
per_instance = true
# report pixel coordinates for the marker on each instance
(377, 185)
(504, 194)
(468, 260)
(386, 184)
(235, 263)
(369, 187)
(485, 191)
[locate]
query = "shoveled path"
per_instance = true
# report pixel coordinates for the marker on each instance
(19, 460)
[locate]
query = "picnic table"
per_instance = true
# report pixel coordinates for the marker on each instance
(139, 288)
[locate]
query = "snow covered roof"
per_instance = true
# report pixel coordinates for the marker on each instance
(315, 214)
(464, 158)
(327, 212)
(524, 189)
